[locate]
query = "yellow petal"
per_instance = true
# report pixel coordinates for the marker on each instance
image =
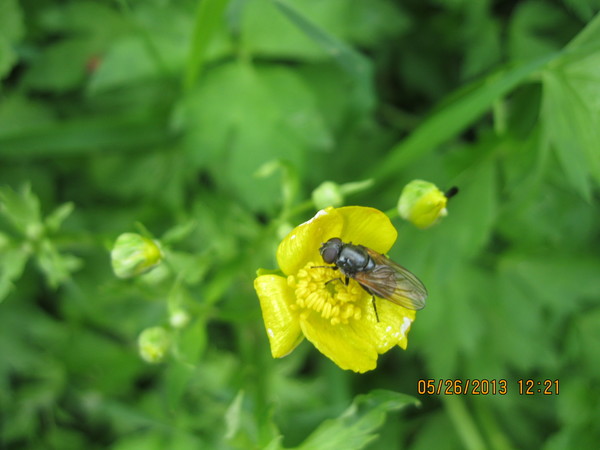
(393, 326)
(281, 322)
(345, 344)
(367, 226)
(302, 244)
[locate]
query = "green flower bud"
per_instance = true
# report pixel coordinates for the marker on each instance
(422, 203)
(153, 344)
(134, 254)
(327, 194)
(179, 318)
(283, 229)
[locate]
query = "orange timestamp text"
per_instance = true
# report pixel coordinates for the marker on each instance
(468, 386)
(485, 386)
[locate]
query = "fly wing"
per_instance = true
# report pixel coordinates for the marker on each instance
(393, 282)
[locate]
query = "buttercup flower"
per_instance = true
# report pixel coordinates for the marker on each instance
(422, 203)
(338, 320)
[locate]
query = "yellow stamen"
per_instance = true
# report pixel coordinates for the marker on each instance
(333, 300)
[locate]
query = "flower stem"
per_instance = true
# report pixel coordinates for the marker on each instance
(392, 213)
(464, 423)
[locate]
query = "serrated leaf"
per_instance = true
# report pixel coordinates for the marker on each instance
(56, 267)
(12, 264)
(356, 426)
(55, 219)
(566, 129)
(127, 61)
(242, 117)
(22, 209)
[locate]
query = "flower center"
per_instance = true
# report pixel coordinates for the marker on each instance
(324, 291)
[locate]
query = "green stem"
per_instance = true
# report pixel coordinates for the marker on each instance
(298, 209)
(208, 17)
(463, 422)
(500, 117)
(392, 213)
(496, 437)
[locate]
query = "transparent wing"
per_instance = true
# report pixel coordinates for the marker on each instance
(393, 282)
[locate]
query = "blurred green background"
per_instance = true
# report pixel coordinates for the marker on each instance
(207, 125)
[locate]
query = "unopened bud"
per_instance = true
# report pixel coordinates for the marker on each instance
(179, 318)
(422, 203)
(154, 344)
(134, 254)
(327, 194)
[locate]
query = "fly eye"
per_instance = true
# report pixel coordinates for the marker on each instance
(329, 254)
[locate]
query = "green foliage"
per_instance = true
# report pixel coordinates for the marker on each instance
(213, 123)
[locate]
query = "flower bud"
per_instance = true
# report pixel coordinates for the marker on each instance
(283, 229)
(327, 194)
(134, 254)
(422, 203)
(179, 318)
(153, 344)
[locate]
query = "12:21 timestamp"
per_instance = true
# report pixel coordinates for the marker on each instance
(544, 387)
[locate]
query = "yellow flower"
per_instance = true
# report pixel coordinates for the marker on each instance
(339, 320)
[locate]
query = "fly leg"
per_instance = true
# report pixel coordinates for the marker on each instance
(346, 280)
(372, 301)
(375, 308)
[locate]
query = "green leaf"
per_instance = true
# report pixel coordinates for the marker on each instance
(62, 66)
(241, 117)
(585, 9)
(126, 62)
(12, 264)
(571, 118)
(533, 30)
(55, 219)
(11, 20)
(559, 282)
(11, 31)
(566, 128)
(355, 65)
(56, 266)
(19, 114)
(8, 58)
(233, 416)
(22, 208)
(588, 37)
(356, 426)
(86, 135)
(151, 50)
